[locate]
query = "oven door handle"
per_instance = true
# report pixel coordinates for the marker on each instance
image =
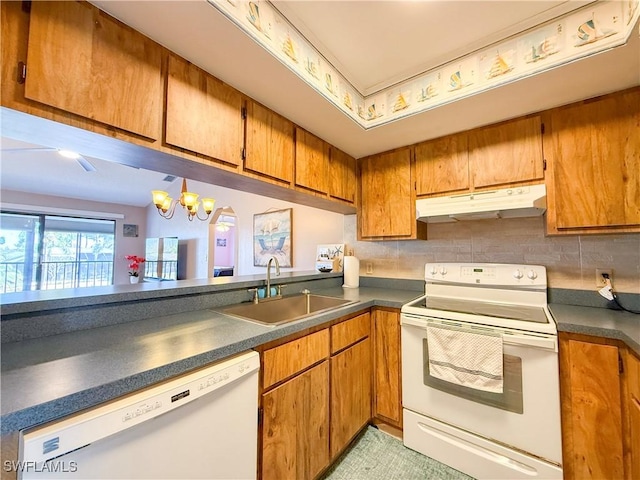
(508, 337)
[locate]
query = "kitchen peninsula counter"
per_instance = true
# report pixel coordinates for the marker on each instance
(54, 376)
(57, 375)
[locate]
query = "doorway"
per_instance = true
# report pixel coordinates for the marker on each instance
(222, 243)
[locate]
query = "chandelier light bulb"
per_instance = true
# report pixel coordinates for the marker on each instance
(188, 200)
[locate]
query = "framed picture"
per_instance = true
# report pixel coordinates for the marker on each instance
(272, 237)
(129, 230)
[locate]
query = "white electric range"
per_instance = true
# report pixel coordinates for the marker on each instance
(480, 371)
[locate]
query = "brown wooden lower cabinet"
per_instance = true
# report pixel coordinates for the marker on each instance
(295, 438)
(316, 397)
(633, 416)
(350, 394)
(594, 428)
(387, 401)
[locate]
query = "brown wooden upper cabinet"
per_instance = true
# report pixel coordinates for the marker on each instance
(593, 149)
(506, 153)
(269, 144)
(312, 162)
(204, 115)
(342, 176)
(503, 154)
(387, 197)
(85, 62)
(442, 165)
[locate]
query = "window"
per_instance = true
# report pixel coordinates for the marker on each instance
(45, 252)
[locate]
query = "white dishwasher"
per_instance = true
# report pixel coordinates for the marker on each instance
(202, 425)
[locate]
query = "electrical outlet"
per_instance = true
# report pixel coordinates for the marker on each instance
(369, 268)
(599, 279)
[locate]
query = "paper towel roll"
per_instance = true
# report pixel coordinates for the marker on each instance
(351, 272)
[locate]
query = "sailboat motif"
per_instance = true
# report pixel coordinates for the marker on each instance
(289, 49)
(328, 84)
(542, 50)
(254, 17)
(361, 111)
(632, 5)
(590, 32)
(499, 67)
(372, 114)
(312, 68)
(456, 82)
(427, 93)
(401, 103)
(347, 101)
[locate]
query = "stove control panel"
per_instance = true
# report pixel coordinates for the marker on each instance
(488, 274)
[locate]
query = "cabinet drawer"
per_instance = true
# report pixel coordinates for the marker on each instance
(349, 332)
(286, 360)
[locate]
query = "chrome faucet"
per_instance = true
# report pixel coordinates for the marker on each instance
(272, 259)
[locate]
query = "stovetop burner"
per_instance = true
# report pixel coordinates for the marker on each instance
(494, 295)
(524, 313)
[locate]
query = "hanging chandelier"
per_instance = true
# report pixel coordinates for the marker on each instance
(188, 200)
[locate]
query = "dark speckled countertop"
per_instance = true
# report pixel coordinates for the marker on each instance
(50, 377)
(599, 322)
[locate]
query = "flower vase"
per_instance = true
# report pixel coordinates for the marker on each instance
(133, 279)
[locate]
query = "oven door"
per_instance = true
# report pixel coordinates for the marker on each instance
(525, 416)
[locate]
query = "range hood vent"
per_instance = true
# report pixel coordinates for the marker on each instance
(526, 201)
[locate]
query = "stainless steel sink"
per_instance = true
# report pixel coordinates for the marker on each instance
(285, 309)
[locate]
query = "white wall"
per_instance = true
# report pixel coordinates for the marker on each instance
(123, 245)
(311, 227)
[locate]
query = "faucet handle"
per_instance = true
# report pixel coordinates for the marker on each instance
(306, 291)
(255, 294)
(279, 289)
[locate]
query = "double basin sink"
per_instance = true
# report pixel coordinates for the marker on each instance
(286, 309)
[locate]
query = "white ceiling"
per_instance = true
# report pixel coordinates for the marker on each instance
(409, 37)
(31, 168)
(358, 38)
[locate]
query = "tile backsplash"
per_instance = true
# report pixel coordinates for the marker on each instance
(571, 260)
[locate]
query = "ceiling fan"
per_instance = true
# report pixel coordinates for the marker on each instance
(86, 165)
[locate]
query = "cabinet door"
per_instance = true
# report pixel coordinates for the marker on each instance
(350, 331)
(633, 406)
(591, 410)
(269, 143)
(292, 357)
(442, 165)
(342, 176)
(295, 438)
(203, 114)
(506, 153)
(386, 366)
(85, 62)
(634, 436)
(595, 150)
(312, 161)
(350, 394)
(387, 196)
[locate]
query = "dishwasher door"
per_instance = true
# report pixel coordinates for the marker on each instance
(202, 425)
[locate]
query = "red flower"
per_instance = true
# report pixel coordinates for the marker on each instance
(135, 264)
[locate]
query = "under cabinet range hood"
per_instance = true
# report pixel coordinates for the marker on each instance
(525, 201)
